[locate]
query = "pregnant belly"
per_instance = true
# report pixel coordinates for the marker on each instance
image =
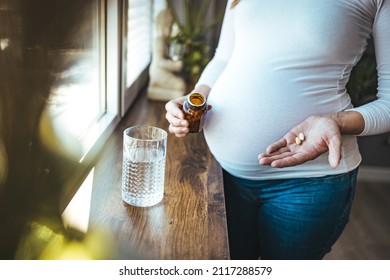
(250, 114)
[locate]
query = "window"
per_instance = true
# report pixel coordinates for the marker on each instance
(65, 57)
(83, 99)
(100, 56)
(84, 55)
(77, 68)
(137, 36)
(136, 22)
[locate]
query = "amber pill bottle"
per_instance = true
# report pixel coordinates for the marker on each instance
(195, 109)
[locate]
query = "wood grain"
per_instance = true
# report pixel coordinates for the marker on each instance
(189, 223)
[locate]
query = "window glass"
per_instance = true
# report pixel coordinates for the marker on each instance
(77, 97)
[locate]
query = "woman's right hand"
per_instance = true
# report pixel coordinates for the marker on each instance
(178, 125)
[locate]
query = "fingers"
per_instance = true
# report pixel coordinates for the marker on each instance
(175, 121)
(267, 159)
(179, 131)
(295, 159)
(173, 107)
(281, 143)
(177, 124)
(286, 152)
(274, 152)
(334, 152)
(286, 159)
(276, 146)
(317, 142)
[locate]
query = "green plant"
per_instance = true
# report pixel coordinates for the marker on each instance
(192, 31)
(362, 85)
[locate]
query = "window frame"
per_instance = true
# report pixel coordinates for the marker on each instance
(110, 25)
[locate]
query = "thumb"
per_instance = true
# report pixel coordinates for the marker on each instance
(334, 151)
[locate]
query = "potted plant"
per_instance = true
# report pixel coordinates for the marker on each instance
(177, 43)
(187, 40)
(363, 83)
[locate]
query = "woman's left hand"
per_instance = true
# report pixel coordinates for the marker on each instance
(321, 134)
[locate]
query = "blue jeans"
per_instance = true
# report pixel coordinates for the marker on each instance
(287, 219)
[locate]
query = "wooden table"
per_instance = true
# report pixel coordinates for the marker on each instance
(190, 222)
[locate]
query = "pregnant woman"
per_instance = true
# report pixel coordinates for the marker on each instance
(282, 125)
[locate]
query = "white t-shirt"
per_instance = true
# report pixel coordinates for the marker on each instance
(279, 62)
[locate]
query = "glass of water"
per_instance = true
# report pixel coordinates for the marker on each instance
(143, 170)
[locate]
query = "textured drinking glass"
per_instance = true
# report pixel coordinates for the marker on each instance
(143, 170)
